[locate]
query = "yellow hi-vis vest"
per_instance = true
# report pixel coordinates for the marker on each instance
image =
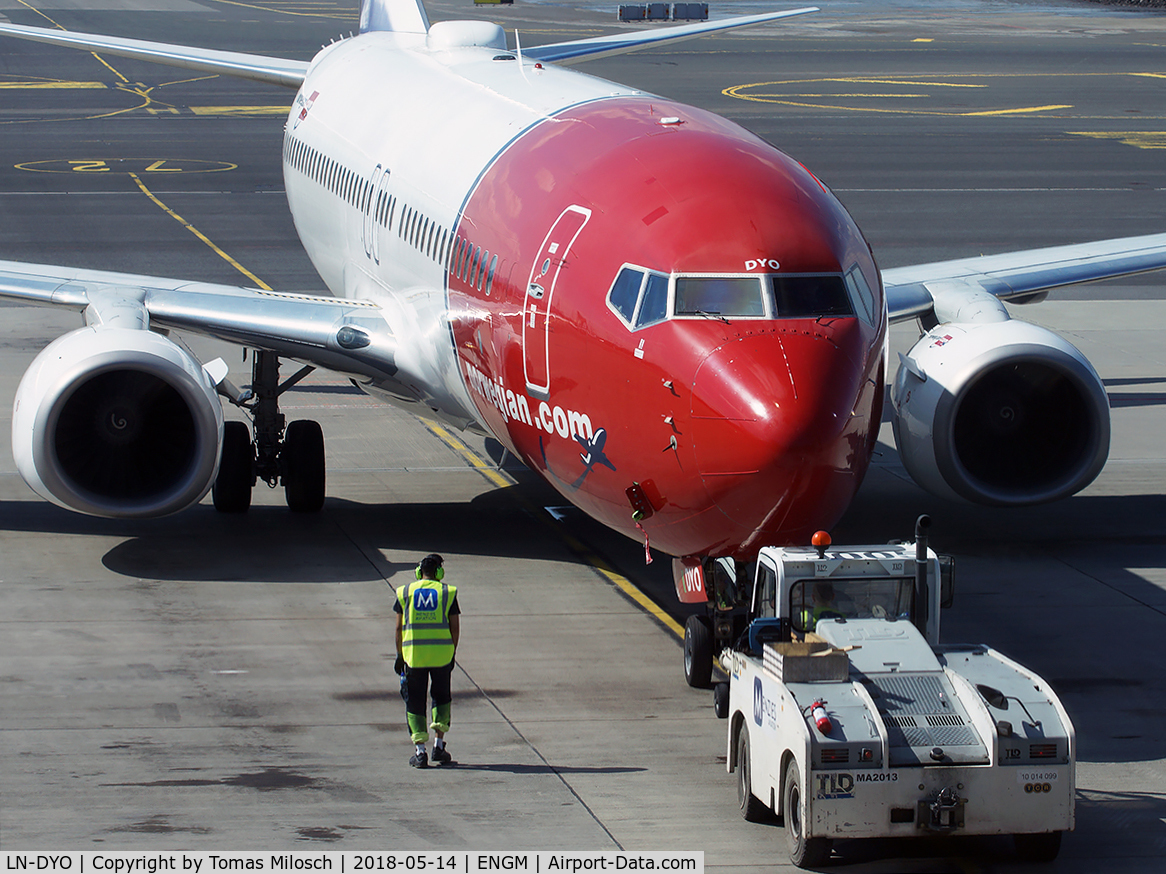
(425, 639)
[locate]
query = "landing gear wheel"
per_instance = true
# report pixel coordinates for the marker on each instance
(1039, 847)
(303, 466)
(803, 852)
(698, 652)
(751, 806)
(231, 491)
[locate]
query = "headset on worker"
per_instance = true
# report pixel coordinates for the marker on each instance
(433, 564)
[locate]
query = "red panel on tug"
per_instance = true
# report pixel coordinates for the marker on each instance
(753, 429)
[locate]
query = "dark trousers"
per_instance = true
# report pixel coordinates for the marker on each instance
(435, 681)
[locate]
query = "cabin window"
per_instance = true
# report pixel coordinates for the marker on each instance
(490, 275)
(482, 269)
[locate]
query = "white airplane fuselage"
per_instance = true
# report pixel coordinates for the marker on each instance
(488, 206)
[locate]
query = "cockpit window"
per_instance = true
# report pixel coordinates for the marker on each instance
(738, 296)
(654, 307)
(639, 296)
(626, 292)
(860, 293)
(809, 296)
(642, 297)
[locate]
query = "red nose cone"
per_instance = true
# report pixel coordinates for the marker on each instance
(772, 427)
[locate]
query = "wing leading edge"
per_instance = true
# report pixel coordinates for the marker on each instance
(912, 291)
(276, 71)
(574, 51)
(291, 73)
(347, 336)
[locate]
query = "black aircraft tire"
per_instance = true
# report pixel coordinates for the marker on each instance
(231, 491)
(303, 466)
(698, 652)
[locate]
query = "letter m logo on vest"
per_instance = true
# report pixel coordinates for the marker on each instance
(426, 641)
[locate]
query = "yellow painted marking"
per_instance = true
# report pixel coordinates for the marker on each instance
(1143, 139)
(339, 13)
(1019, 111)
(127, 166)
(188, 81)
(640, 598)
(56, 84)
(825, 94)
(240, 110)
(863, 80)
(41, 14)
(468, 455)
(923, 39)
(59, 27)
(110, 67)
(146, 191)
(493, 475)
(742, 92)
(1150, 75)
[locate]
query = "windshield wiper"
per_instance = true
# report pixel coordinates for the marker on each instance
(707, 314)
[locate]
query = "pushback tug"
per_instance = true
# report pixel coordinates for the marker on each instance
(848, 719)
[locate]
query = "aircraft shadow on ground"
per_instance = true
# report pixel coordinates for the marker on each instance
(344, 543)
(347, 543)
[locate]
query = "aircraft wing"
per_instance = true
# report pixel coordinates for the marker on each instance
(290, 73)
(911, 291)
(277, 71)
(572, 52)
(304, 327)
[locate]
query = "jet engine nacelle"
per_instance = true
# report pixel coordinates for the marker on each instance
(1004, 413)
(117, 422)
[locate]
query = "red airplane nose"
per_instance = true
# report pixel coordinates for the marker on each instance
(772, 425)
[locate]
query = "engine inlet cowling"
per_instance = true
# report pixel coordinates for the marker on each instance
(119, 423)
(1001, 413)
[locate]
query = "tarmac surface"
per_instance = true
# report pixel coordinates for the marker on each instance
(210, 682)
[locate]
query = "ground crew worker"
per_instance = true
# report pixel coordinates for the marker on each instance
(824, 608)
(428, 627)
